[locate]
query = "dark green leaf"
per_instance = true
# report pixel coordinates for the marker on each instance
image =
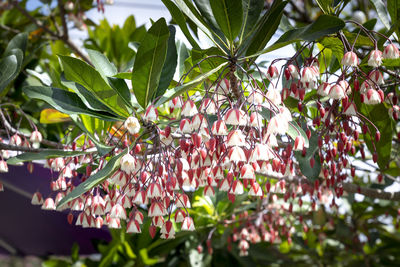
(183, 54)
(251, 12)
(19, 41)
(324, 25)
(8, 70)
(85, 95)
(266, 27)
(169, 68)
(391, 63)
(64, 101)
(229, 15)
(179, 18)
(187, 86)
(94, 179)
(80, 72)
(47, 154)
(120, 86)
(394, 11)
(149, 62)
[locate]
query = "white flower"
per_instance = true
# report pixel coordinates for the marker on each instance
(278, 124)
(299, 143)
(219, 128)
(189, 109)
(188, 224)
(128, 164)
(373, 97)
(208, 106)
(323, 89)
(375, 58)
(132, 125)
(236, 116)
(350, 110)
(337, 92)
(236, 138)
(350, 59)
(36, 138)
(391, 51)
(274, 96)
(151, 114)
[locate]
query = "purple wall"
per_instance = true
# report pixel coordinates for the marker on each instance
(33, 231)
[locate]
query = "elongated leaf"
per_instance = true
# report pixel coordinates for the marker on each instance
(85, 95)
(394, 11)
(120, 86)
(382, 12)
(179, 18)
(8, 70)
(251, 12)
(169, 68)
(47, 154)
(80, 72)
(101, 63)
(94, 179)
(228, 14)
(183, 54)
(324, 25)
(304, 162)
(124, 75)
(204, 6)
(149, 62)
(325, 5)
(266, 28)
(187, 86)
(64, 101)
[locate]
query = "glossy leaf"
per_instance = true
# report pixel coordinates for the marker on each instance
(19, 41)
(382, 12)
(266, 27)
(64, 101)
(80, 72)
(187, 86)
(324, 25)
(149, 62)
(101, 63)
(183, 54)
(179, 18)
(393, 8)
(228, 14)
(169, 68)
(47, 154)
(95, 179)
(251, 13)
(8, 70)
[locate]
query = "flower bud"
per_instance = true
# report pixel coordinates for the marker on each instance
(132, 125)
(391, 52)
(350, 59)
(375, 58)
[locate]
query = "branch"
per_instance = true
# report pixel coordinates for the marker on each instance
(22, 148)
(347, 187)
(12, 130)
(63, 21)
(63, 37)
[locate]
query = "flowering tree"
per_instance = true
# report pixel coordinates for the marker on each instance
(262, 151)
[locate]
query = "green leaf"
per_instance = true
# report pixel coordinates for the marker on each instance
(394, 11)
(47, 154)
(379, 116)
(149, 62)
(85, 95)
(266, 27)
(8, 70)
(64, 101)
(325, 5)
(335, 45)
(295, 130)
(251, 12)
(304, 162)
(324, 25)
(229, 15)
(183, 88)
(94, 179)
(124, 75)
(382, 12)
(179, 18)
(169, 68)
(101, 63)
(19, 41)
(102, 149)
(183, 54)
(80, 72)
(391, 63)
